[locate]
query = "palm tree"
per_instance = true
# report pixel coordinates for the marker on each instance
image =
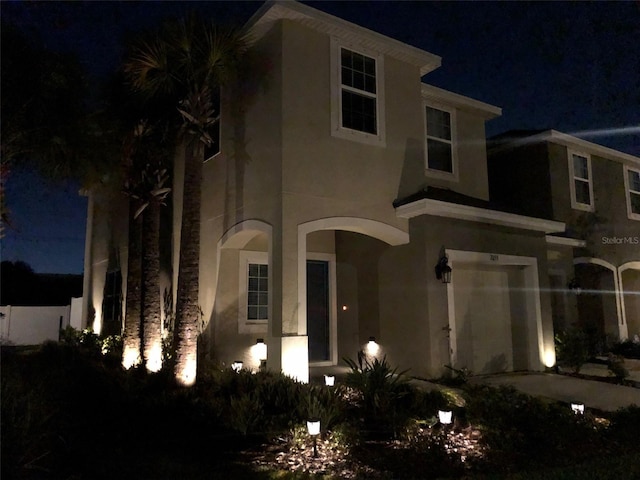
(184, 61)
(145, 186)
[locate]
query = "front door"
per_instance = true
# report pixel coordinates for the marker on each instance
(318, 310)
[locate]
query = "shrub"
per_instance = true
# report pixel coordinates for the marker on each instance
(573, 348)
(627, 349)
(386, 394)
(522, 431)
(615, 363)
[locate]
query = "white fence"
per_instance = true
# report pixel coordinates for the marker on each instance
(34, 325)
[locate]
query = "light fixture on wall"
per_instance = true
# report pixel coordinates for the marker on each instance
(329, 380)
(574, 286)
(372, 347)
(261, 349)
(443, 270)
(313, 427)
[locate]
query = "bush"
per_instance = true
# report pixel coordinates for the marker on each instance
(386, 395)
(615, 363)
(573, 348)
(627, 349)
(522, 431)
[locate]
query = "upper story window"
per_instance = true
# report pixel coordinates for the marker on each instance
(253, 306)
(632, 188)
(441, 148)
(581, 182)
(357, 94)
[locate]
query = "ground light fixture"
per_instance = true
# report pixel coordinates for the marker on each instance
(237, 365)
(577, 408)
(443, 270)
(313, 427)
(444, 416)
(329, 380)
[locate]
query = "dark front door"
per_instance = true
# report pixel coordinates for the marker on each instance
(318, 310)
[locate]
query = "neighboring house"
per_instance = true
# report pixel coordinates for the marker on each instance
(330, 203)
(594, 266)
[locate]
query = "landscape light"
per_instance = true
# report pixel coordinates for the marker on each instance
(445, 416)
(578, 408)
(313, 427)
(237, 365)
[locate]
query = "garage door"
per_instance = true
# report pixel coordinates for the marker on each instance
(490, 318)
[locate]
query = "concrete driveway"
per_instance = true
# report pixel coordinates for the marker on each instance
(594, 394)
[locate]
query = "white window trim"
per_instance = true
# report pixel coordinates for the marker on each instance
(627, 190)
(330, 258)
(245, 325)
(451, 176)
(337, 130)
(574, 203)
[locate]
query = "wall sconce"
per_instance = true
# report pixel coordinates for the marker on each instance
(578, 408)
(313, 427)
(237, 366)
(372, 346)
(444, 416)
(443, 270)
(574, 286)
(329, 380)
(261, 349)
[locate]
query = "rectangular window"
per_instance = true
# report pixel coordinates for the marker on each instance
(632, 187)
(258, 292)
(358, 84)
(253, 291)
(581, 184)
(357, 93)
(440, 141)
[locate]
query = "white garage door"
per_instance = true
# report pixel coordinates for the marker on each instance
(490, 318)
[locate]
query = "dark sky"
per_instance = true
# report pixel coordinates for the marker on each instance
(573, 67)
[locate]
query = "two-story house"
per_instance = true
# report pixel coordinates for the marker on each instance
(331, 203)
(594, 266)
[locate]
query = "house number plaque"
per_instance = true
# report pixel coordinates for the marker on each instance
(494, 258)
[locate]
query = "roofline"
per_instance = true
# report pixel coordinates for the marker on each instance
(272, 10)
(429, 92)
(570, 141)
(565, 241)
(439, 208)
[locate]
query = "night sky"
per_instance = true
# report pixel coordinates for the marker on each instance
(573, 67)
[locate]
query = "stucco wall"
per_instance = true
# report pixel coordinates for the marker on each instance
(393, 294)
(32, 325)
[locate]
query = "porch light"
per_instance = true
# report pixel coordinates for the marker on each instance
(444, 416)
(261, 349)
(578, 408)
(372, 346)
(329, 380)
(237, 365)
(313, 427)
(574, 286)
(443, 270)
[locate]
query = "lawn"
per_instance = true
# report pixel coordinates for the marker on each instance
(70, 412)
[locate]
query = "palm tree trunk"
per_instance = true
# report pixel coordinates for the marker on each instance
(151, 318)
(131, 342)
(187, 304)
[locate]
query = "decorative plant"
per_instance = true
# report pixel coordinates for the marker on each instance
(383, 390)
(573, 348)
